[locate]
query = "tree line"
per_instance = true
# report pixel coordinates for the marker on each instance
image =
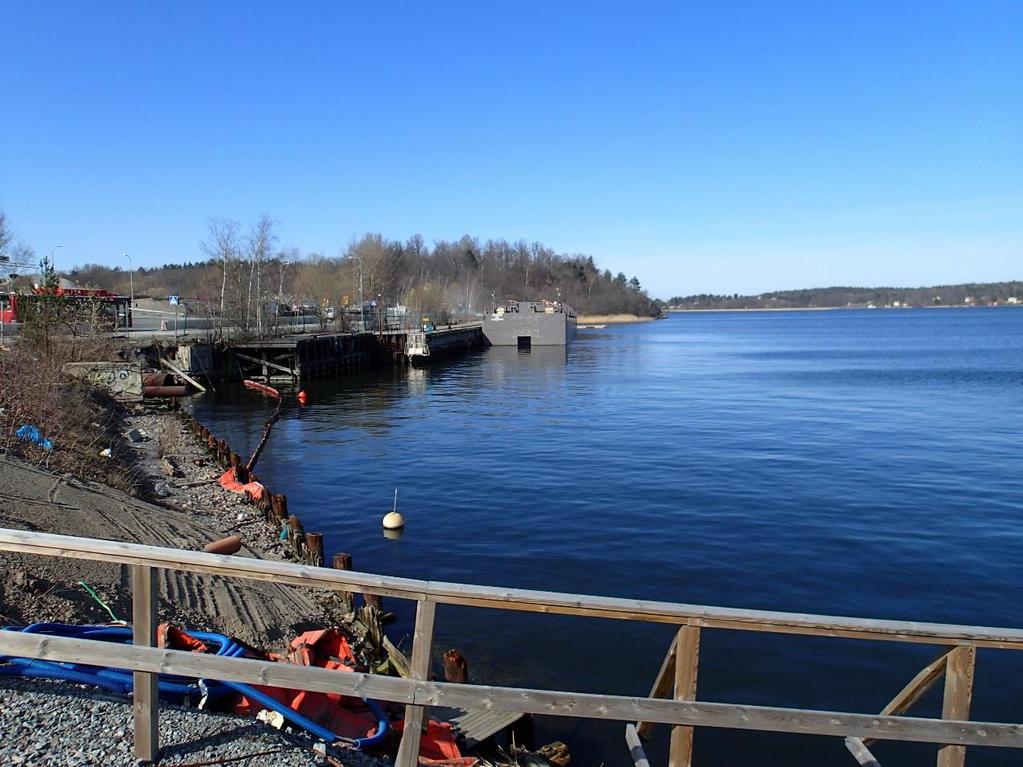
(972, 293)
(247, 276)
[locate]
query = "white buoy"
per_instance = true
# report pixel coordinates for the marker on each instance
(392, 519)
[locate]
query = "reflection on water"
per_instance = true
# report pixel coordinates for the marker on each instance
(857, 463)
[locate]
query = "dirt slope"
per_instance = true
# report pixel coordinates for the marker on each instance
(36, 588)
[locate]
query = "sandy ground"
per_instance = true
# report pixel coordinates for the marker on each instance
(34, 588)
(610, 319)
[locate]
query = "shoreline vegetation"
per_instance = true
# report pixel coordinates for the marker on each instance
(611, 319)
(964, 294)
(677, 310)
(252, 278)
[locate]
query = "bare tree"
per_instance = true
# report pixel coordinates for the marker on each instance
(5, 233)
(259, 243)
(222, 244)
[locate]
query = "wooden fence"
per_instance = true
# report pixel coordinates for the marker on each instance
(676, 680)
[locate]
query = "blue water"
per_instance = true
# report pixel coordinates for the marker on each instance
(849, 462)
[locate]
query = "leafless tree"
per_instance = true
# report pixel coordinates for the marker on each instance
(221, 244)
(258, 244)
(5, 233)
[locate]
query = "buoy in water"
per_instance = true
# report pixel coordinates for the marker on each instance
(393, 535)
(393, 519)
(303, 398)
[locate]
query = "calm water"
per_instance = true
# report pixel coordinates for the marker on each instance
(852, 463)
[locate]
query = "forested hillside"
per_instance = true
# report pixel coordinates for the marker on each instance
(967, 294)
(246, 275)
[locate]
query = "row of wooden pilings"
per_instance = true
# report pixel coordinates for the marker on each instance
(306, 548)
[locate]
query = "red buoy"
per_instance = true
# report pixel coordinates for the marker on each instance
(303, 398)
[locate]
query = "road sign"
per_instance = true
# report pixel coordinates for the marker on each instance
(174, 300)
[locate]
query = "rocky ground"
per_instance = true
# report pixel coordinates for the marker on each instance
(95, 728)
(193, 511)
(186, 510)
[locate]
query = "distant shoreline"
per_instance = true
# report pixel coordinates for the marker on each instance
(851, 308)
(612, 319)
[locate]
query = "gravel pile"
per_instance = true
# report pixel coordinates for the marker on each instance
(54, 723)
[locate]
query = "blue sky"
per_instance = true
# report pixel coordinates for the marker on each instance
(704, 147)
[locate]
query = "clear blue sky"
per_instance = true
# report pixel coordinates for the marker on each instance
(703, 147)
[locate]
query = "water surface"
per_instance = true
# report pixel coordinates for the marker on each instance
(850, 462)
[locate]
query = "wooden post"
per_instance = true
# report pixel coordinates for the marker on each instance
(279, 505)
(372, 600)
(146, 696)
(314, 548)
(687, 662)
(344, 562)
(958, 692)
(296, 535)
(419, 668)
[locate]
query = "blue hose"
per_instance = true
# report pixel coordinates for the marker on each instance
(175, 687)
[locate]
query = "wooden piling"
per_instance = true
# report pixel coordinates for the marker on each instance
(372, 600)
(296, 535)
(314, 549)
(344, 562)
(279, 504)
(456, 667)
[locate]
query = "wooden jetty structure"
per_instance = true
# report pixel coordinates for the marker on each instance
(318, 355)
(673, 700)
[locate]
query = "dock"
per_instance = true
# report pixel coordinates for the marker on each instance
(422, 346)
(320, 355)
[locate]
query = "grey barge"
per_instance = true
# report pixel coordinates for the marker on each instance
(531, 323)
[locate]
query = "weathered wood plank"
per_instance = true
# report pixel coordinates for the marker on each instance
(511, 599)
(635, 746)
(687, 664)
(861, 753)
(612, 707)
(958, 693)
(175, 369)
(263, 362)
(212, 564)
(182, 663)
(146, 696)
(663, 684)
(915, 689)
(419, 669)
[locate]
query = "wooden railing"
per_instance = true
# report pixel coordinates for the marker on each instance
(678, 676)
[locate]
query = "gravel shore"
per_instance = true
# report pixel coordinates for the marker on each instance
(57, 724)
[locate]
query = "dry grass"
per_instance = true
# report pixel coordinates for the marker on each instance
(80, 421)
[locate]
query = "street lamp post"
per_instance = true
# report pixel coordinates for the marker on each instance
(52, 265)
(131, 278)
(362, 308)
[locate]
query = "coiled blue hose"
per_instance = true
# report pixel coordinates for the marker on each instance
(174, 687)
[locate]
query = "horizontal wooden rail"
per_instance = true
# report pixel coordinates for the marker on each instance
(423, 693)
(510, 599)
